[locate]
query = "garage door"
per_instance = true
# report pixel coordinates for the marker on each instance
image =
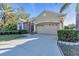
(47, 29)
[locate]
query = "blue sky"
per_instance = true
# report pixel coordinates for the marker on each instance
(34, 9)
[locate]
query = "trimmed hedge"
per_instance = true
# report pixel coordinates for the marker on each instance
(68, 35)
(13, 32)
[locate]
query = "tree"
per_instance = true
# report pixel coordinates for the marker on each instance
(77, 16)
(9, 26)
(77, 12)
(21, 13)
(66, 5)
(6, 12)
(8, 21)
(66, 27)
(70, 26)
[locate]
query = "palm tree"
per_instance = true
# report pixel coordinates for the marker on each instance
(77, 13)
(6, 12)
(77, 16)
(66, 5)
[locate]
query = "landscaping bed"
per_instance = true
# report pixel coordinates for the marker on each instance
(68, 42)
(69, 50)
(10, 37)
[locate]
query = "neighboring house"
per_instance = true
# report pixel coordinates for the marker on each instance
(23, 25)
(48, 22)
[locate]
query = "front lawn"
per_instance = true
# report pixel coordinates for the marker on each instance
(10, 37)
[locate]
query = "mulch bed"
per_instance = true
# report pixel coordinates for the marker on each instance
(69, 50)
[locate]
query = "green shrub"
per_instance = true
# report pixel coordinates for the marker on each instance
(68, 35)
(9, 26)
(13, 32)
(23, 31)
(66, 27)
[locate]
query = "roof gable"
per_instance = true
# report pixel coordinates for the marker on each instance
(49, 12)
(48, 16)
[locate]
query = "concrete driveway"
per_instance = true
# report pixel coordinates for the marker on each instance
(33, 45)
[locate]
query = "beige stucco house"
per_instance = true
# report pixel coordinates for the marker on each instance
(48, 22)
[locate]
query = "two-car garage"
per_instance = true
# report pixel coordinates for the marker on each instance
(47, 28)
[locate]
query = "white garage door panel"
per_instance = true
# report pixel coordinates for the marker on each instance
(47, 29)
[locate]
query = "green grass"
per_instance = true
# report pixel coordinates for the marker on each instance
(9, 37)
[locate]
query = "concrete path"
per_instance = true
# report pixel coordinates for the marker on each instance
(32, 45)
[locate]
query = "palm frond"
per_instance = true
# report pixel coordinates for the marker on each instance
(64, 7)
(77, 7)
(10, 9)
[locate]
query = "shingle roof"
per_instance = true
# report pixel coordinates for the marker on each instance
(47, 11)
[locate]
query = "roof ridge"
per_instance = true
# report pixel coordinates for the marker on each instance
(52, 11)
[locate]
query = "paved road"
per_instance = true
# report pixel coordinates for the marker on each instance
(38, 45)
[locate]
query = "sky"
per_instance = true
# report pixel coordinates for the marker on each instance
(34, 9)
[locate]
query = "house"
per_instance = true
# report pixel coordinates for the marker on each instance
(48, 22)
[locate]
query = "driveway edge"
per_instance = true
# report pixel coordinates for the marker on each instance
(60, 49)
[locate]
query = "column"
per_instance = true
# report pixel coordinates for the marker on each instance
(22, 26)
(34, 28)
(18, 26)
